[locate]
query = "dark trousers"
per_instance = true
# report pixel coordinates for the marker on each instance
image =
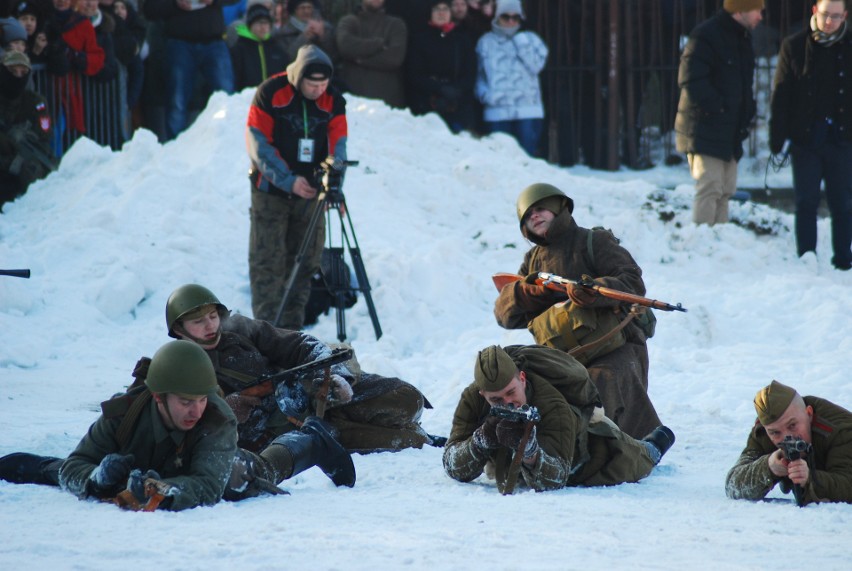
(830, 161)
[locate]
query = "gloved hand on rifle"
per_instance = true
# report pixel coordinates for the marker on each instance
(581, 296)
(110, 475)
(485, 437)
(136, 483)
(510, 433)
(536, 294)
(339, 390)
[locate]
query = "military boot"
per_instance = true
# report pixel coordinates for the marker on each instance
(313, 445)
(661, 438)
(25, 468)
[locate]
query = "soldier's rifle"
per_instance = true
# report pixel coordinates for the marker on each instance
(560, 284)
(15, 273)
(265, 385)
(529, 416)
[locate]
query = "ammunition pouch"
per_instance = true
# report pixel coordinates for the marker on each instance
(565, 326)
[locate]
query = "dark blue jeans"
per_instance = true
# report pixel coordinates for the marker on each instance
(526, 131)
(212, 60)
(830, 161)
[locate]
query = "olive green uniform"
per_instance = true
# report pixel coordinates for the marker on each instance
(383, 414)
(830, 462)
(573, 452)
(196, 462)
(620, 376)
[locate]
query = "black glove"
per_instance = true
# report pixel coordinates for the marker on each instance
(485, 437)
(136, 483)
(111, 473)
(510, 433)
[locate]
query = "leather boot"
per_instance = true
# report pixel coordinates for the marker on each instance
(26, 468)
(661, 438)
(314, 445)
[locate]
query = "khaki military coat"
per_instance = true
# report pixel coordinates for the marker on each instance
(830, 462)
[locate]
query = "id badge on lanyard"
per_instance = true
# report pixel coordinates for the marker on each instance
(306, 145)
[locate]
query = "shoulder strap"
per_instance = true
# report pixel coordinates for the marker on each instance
(129, 406)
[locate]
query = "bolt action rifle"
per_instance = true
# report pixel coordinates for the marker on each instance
(558, 283)
(528, 415)
(796, 449)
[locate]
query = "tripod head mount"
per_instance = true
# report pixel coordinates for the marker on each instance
(329, 177)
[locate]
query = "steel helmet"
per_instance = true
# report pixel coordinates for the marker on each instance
(181, 367)
(536, 192)
(187, 298)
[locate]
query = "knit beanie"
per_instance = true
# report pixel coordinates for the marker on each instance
(771, 402)
(734, 6)
(494, 369)
(293, 4)
(257, 12)
(27, 7)
(10, 31)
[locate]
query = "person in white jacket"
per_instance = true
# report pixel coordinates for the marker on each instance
(507, 82)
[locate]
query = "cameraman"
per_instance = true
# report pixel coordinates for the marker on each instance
(295, 122)
(824, 474)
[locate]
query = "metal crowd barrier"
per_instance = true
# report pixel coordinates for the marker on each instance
(105, 112)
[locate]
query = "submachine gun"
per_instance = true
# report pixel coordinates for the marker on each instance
(795, 449)
(529, 416)
(329, 178)
(15, 273)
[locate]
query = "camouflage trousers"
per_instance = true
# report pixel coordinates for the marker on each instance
(278, 227)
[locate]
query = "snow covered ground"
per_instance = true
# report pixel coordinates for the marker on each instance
(110, 235)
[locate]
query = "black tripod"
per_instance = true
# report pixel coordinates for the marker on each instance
(331, 198)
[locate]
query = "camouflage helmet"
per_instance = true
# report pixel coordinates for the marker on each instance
(537, 192)
(187, 298)
(181, 367)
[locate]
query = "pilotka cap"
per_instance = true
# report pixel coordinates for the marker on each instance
(494, 369)
(772, 400)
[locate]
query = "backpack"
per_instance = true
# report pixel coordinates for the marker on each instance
(331, 286)
(646, 321)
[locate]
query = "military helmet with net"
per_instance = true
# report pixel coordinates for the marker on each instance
(186, 299)
(181, 367)
(536, 193)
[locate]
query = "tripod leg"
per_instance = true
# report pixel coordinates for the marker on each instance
(364, 286)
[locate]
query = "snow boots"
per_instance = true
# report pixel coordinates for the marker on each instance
(661, 439)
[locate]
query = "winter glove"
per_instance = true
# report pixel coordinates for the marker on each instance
(339, 390)
(485, 437)
(510, 433)
(292, 399)
(110, 474)
(581, 296)
(242, 405)
(136, 483)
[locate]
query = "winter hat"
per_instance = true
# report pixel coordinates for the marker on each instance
(494, 369)
(771, 402)
(11, 30)
(13, 57)
(257, 12)
(293, 4)
(27, 7)
(508, 7)
(734, 6)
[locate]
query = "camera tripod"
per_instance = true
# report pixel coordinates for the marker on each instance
(331, 199)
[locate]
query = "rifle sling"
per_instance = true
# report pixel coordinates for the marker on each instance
(583, 348)
(128, 422)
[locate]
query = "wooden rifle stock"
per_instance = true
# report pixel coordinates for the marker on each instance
(558, 283)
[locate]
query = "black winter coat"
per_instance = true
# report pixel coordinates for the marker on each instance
(716, 103)
(798, 82)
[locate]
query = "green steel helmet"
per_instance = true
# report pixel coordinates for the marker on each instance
(535, 193)
(181, 367)
(187, 298)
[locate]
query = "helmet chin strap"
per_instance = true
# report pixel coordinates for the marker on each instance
(162, 398)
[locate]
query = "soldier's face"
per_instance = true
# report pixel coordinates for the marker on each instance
(795, 422)
(203, 330)
(183, 412)
(538, 220)
(829, 15)
(514, 394)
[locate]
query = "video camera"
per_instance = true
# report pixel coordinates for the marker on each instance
(794, 448)
(329, 176)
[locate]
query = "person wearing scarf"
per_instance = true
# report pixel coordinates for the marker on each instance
(810, 109)
(507, 83)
